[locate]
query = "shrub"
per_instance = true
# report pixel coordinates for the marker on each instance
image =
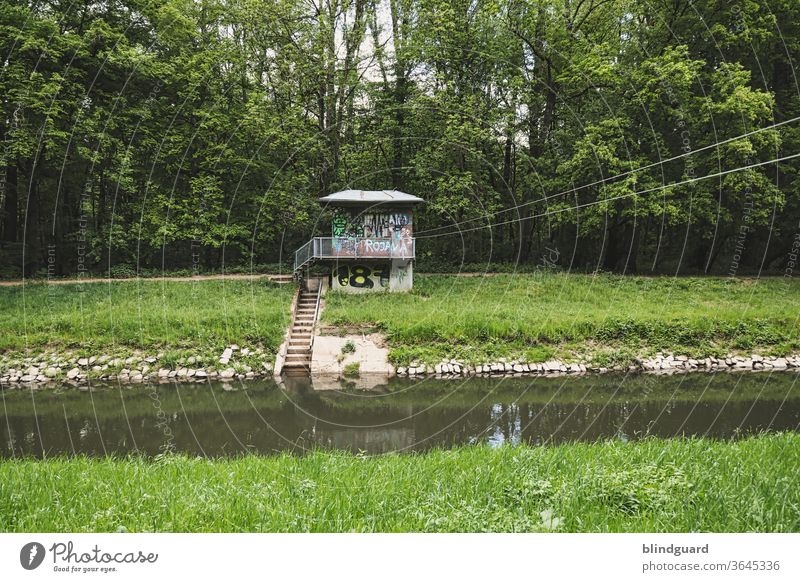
(352, 370)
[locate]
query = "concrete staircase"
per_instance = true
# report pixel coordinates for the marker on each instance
(298, 351)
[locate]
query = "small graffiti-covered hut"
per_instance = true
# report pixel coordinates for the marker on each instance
(371, 247)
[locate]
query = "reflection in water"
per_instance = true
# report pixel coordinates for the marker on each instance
(229, 419)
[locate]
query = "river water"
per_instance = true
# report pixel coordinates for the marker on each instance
(216, 419)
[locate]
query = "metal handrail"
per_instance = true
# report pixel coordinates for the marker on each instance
(316, 317)
(354, 248)
(303, 255)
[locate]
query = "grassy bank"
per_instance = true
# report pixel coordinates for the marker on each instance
(654, 485)
(145, 315)
(535, 316)
(540, 316)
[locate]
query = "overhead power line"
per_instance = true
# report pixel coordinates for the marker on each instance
(621, 196)
(610, 178)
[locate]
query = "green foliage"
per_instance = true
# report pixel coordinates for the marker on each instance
(352, 370)
(679, 485)
(141, 136)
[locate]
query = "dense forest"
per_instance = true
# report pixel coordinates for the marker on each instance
(579, 134)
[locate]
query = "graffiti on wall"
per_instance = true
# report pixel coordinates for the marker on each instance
(389, 225)
(362, 276)
(339, 225)
(386, 224)
(372, 248)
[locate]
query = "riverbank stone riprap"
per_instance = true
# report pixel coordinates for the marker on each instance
(47, 368)
(660, 363)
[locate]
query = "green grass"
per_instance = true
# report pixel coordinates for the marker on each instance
(95, 317)
(652, 485)
(542, 315)
(536, 316)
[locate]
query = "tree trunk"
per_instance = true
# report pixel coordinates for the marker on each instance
(11, 206)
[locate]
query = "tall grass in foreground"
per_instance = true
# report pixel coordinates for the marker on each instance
(653, 485)
(532, 314)
(144, 314)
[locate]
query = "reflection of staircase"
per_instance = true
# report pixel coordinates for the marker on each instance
(301, 336)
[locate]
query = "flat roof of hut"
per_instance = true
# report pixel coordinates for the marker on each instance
(370, 198)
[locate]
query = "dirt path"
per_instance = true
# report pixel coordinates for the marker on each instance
(234, 277)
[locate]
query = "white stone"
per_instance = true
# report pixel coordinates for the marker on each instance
(227, 373)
